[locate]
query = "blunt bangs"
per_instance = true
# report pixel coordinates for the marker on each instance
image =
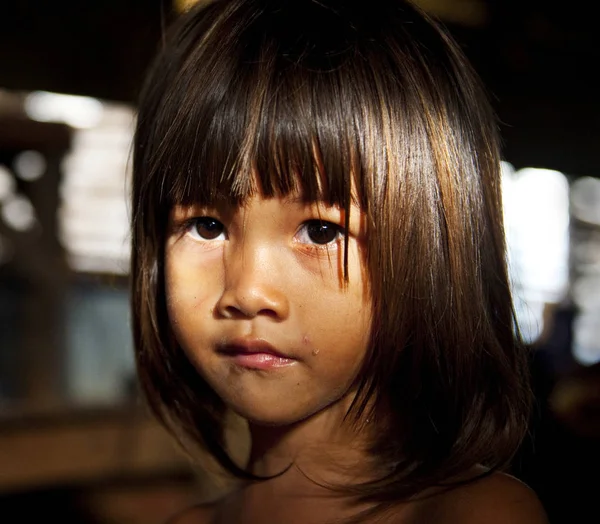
(254, 119)
(315, 110)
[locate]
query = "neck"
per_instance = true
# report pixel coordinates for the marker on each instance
(307, 460)
(324, 445)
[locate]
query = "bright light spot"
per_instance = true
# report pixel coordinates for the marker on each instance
(586, 295)
(586, 349)
(18, 213)
(7, 184)
(530, 315)
(585, 200)
(586, 251)
(536, 216)
(93, 223)
(585, 207)
(30, 165)
(76, 111)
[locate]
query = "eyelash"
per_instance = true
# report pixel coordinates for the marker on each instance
(192, 223)
(326, 228)
(338, 232)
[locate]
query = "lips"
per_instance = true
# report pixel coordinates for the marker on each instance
(255, 354)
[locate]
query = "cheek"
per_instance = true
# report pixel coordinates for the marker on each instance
(185, 307)
(339, 334)
(343, 314)
(189, 295)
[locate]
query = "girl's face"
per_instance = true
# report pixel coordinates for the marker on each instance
(257, 300)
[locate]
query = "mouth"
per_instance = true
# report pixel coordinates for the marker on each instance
(255, 354)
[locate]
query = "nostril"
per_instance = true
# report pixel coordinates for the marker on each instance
(268, 313)
(236, 312)
(240, 312)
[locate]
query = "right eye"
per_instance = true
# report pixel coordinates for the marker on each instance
(206, 228)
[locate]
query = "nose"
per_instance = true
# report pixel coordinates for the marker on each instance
(253, 285)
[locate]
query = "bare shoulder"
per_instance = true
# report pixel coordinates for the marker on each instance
(198, 514)
(495, 499)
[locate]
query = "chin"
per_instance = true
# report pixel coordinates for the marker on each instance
(269, 416)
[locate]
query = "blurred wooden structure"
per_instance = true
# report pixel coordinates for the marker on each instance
(82, 446)
(38, 263)
(110, 466)
(115, 462)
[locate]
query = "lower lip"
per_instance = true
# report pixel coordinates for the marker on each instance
(260, 360)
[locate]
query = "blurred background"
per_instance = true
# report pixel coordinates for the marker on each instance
(75, 440)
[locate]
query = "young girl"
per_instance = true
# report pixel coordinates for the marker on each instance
(318, 249)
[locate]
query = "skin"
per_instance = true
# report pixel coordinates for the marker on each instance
(497, 499)
(255, 273)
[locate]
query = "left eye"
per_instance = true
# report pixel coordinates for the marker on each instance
(319, 232)
(206, 228)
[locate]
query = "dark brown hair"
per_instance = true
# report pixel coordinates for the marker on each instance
(327, 97)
